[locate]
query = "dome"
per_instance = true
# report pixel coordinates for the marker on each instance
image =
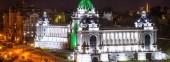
(85, 4)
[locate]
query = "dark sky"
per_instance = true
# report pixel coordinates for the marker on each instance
(118, 5)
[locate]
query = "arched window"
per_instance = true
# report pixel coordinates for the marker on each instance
(147, 40)
(92, 41)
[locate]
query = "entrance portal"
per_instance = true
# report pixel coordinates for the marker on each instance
(148, 56)
(95, 59)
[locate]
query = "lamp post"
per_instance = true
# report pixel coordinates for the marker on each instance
(24, 37)
(23, 42)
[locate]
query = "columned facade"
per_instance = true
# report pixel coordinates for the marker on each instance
(117, 40)
(91, 44)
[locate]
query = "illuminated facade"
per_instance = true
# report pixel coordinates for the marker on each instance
(16, 23)
(50, 36)
(13, 25)
(91, 44)
(30, 26)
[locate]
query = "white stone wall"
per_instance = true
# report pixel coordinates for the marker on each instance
(104, 57)
(52, 37)
(84, 58)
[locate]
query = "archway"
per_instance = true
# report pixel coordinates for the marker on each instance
(147, 40)
(93, 41)
(95, 59)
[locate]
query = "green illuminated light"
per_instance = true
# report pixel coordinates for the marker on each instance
(74, 37)
(85, 4)
(73, 41)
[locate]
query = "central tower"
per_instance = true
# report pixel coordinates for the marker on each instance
(84, 18)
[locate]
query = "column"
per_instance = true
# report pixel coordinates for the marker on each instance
(118, 38)
(113, 39)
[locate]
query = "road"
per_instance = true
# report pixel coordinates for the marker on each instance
(26, 53)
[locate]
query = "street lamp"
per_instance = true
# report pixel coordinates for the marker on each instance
(0, 47)
(10, 53)
(1, 36)
(24, 37)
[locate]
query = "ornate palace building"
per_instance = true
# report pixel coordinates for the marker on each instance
(91, 43)
(50, 36)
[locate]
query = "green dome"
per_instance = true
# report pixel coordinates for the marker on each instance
(85, 4)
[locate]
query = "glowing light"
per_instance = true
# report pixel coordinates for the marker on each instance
(147, 7)
(0, 35)
(59, 18)
(73, 41)
(0, 47)
(5, 56)
(32, 44)
(163, 17)
(85, 4)
(73, 36)
(10, 53)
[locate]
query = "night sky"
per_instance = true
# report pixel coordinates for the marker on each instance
(117, 5)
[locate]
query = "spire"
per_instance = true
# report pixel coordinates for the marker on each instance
(147, 7)
(85, 4)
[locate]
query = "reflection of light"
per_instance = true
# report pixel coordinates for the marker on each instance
(18, 51)
(26, 54)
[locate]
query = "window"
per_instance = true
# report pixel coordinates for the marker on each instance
(93, 41)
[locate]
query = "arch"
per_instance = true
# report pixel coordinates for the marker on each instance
(95, 59)
(93, 40)
(147, 40)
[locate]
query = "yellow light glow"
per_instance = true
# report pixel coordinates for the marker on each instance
(10, 53)
(59, 17)
(163, 17)
(0, 47)
(32, 44)
(5, 56)
(24, 42)
(26, 55)
(18, 51)
(147, 7)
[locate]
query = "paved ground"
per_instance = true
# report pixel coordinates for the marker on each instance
(25, 53)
